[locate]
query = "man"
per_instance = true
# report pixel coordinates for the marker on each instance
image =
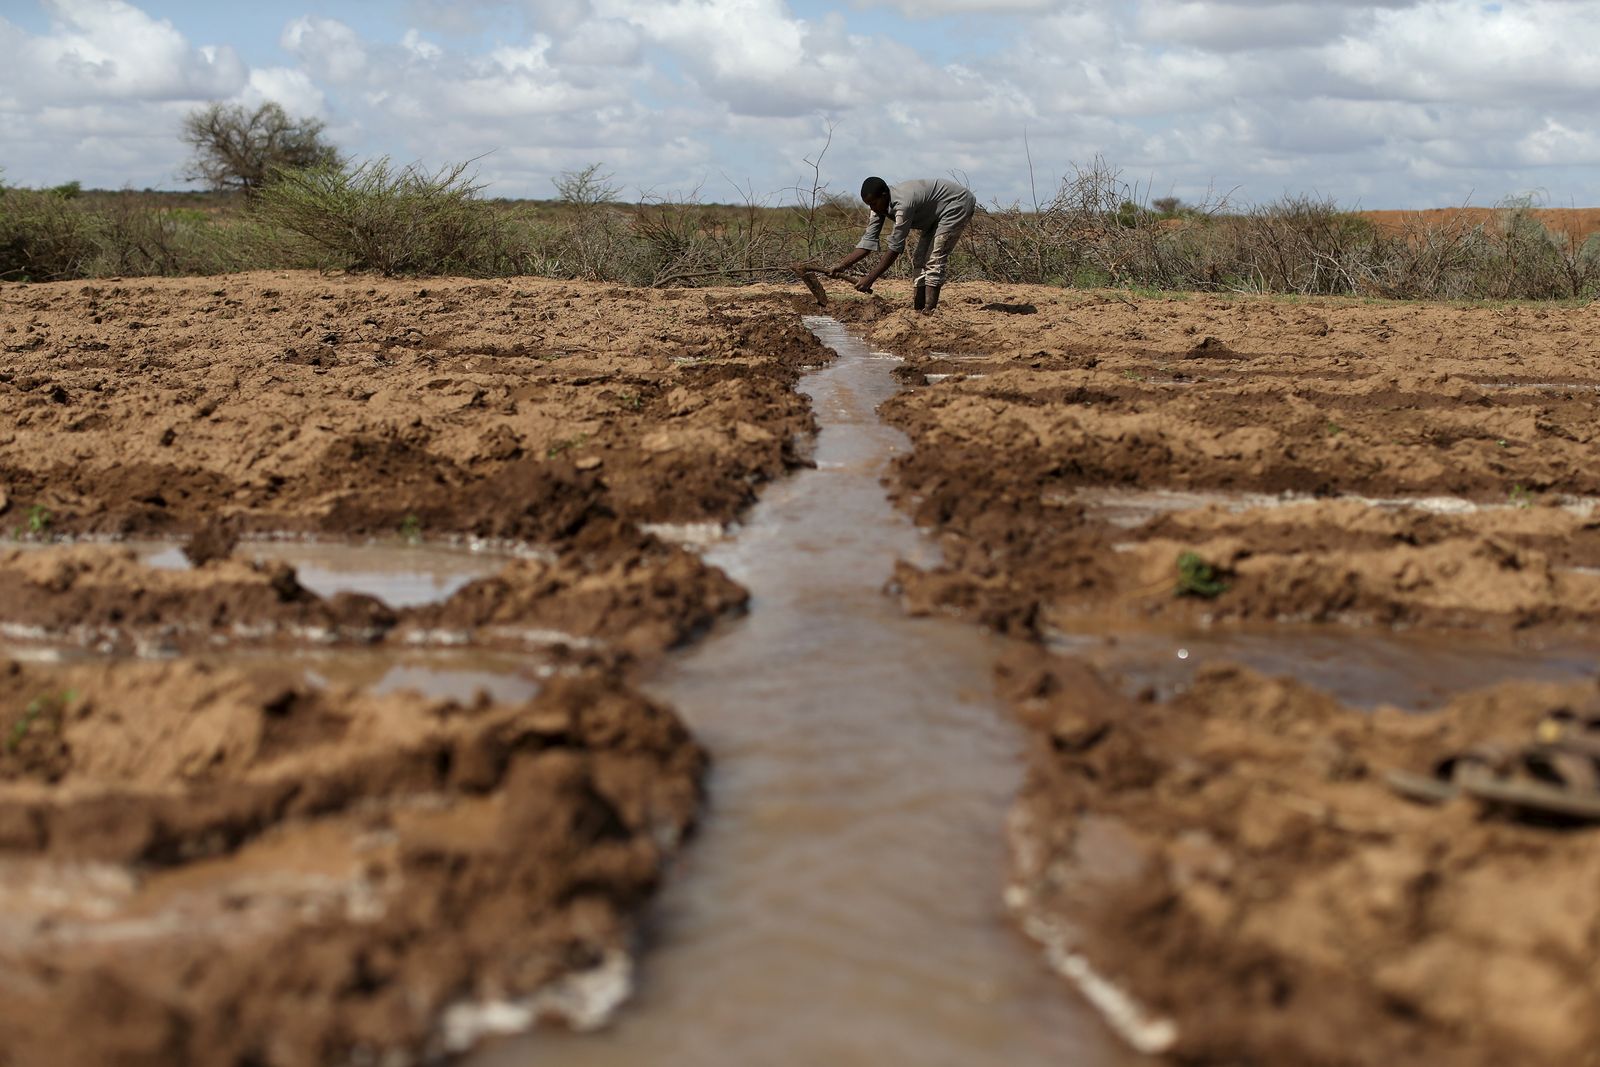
(939, 209)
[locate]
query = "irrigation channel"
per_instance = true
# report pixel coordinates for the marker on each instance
(844, 900)
(843, 903)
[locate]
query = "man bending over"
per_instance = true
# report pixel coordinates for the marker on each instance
(937, 208)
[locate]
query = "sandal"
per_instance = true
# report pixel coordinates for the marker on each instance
(1444, 783)
(1557, 774)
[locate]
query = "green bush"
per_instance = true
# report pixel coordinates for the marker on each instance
(391, 220)
(44, 236)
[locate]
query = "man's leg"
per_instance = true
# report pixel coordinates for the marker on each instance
(944, 239)
(919, 267)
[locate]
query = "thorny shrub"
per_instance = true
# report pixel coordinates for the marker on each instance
(392, 220)
(1095, 229)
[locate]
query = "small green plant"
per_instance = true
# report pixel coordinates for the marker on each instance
(631, 401)
(411, 529)
(1502, 443)
(1520, 496)
(1334, 429)
(48, 707)
(1198, 578)
(1133, 376)
(39, 519)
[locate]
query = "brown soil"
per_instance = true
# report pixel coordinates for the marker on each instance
(288, 401)
(633, 599)
(204, 865)
(1233, 857)
(216, 867)
(1099, 393)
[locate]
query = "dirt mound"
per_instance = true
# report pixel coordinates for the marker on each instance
(293, 401)
(1234, 857)
(216, 866)
(614, 589)
(1235, 860)
(104, 597)
(223, 869)
(1321, 398)
(643, 600)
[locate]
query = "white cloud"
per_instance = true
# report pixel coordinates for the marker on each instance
(1237, 27)
(601, 43)
(104, 49)
(1396, 102)
(926, 9)
(292, 88)
(328, 48)
(1464, 51)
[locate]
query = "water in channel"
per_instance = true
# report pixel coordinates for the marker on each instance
(843, 902)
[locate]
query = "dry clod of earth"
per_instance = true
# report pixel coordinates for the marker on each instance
(205, 866)
(1236, 860)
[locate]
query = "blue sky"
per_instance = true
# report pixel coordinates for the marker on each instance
(1390, 103)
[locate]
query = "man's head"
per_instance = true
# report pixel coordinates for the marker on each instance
(875, 194)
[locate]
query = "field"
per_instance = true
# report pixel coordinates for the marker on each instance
(1228, 842)
(222, 849)
(1579, 224)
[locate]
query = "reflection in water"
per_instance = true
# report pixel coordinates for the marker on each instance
(458, 674)
(400, 576)
(1364, 668)
(843, 904)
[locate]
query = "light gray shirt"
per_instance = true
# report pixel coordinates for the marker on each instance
(916, 205)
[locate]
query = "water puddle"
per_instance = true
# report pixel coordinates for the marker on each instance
(843, 903)
(401, 576)
(445, 674)
(1543, 387)
(1362, 668)
(1128, 508)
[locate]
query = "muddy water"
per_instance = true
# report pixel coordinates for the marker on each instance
(843, 903)
(401, 576)
(1415, 672)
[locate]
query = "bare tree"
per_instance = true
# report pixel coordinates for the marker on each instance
(814, 204)
(587, 187)
(237, 149)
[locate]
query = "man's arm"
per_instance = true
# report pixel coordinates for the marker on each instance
(864, 247)
(884, 263)
(855, 256)
(865, 284)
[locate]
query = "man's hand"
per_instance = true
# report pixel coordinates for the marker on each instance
(864, 286)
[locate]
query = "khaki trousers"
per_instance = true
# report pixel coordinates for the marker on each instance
(933, 247)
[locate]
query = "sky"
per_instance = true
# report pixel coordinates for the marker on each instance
(1385, 104)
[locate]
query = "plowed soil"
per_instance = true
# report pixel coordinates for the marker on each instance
(204, 863)
(206, 866)
(1233, 857)
(1035, 421)
(216, 865)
